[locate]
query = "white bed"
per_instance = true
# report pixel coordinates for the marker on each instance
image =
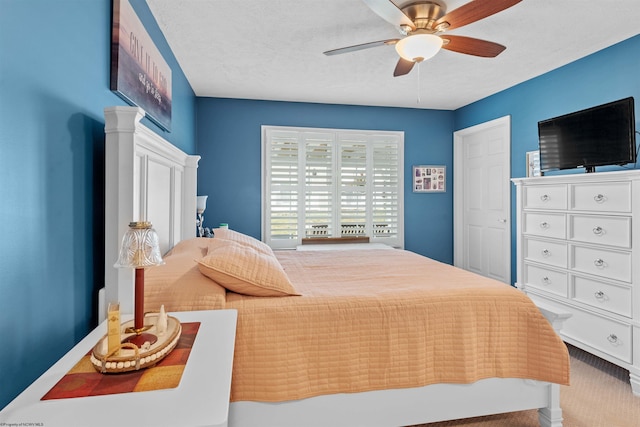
(148, 178)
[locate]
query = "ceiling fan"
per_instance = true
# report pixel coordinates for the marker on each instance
(423, 24)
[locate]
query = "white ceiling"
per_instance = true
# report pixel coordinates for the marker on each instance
(272, 50)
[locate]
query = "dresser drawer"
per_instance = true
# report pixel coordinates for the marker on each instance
(546, 279)
(601, 262)
(601, 197)
(602, 230)
(545, 197)
(545, 224)
(606, 296)
(551, 253)
(599, 332)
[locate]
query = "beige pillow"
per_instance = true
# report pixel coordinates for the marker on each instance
(244, 270)
(179, 286)
(243, 239)
(196, 247)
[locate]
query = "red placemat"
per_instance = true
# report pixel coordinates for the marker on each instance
(83, 380)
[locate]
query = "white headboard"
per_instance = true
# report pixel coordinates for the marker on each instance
(146, 179)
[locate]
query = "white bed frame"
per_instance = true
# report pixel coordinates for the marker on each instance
(148, 178)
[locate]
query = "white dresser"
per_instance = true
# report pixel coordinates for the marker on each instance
(578, 252)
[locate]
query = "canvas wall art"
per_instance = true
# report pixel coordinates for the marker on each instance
(139, 73)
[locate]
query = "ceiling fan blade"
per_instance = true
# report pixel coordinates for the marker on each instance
(472, 12)
(471, 46)
(388, 11)
(361, 46)
(403, 67)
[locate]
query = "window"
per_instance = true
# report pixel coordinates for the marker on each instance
(331, 183)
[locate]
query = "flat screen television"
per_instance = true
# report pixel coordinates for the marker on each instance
(598, 136)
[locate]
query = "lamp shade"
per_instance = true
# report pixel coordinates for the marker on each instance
(140, 247)
(201, 204)
(419, 47)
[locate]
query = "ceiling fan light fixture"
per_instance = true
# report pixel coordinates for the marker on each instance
(405, 29)
(419, 47)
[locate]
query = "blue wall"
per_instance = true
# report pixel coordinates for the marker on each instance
(608, 75)
(54, 85)
(228, 133)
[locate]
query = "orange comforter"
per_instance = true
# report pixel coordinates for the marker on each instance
(379, 319)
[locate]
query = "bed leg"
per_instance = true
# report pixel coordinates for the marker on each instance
(551, 416)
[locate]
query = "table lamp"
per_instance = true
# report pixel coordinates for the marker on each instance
(140, 249)
(201, 206)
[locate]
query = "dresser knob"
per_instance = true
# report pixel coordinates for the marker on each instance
(598, 231)
(545, 197)
(544, 225)
(546, 280)
(598, 262)
(546, 253)
(599, 295)
(612, 338)
(599, 198)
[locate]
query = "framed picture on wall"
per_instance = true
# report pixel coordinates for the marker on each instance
(429, 179)
(139, 73)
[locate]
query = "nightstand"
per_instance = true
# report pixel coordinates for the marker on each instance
(201, 399)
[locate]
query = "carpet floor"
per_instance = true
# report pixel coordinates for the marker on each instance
(599, 396)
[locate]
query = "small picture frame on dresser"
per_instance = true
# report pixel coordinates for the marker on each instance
(533, 163)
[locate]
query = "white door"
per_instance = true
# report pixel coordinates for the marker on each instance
(482, 207)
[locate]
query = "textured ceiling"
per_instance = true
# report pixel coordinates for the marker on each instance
(272, 50)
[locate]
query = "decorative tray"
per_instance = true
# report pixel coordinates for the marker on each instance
(130, 357)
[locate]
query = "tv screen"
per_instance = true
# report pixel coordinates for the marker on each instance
(598, 136)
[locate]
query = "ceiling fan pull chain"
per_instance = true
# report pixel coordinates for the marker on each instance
(419, 83)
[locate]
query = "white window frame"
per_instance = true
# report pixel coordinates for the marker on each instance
(372, 138)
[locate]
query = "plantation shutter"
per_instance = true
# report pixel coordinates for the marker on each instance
(331, 183)
(386, 188)
(353, 185)
(319, 184)
(284, 187)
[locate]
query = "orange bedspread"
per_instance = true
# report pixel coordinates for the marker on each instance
(379, 319)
